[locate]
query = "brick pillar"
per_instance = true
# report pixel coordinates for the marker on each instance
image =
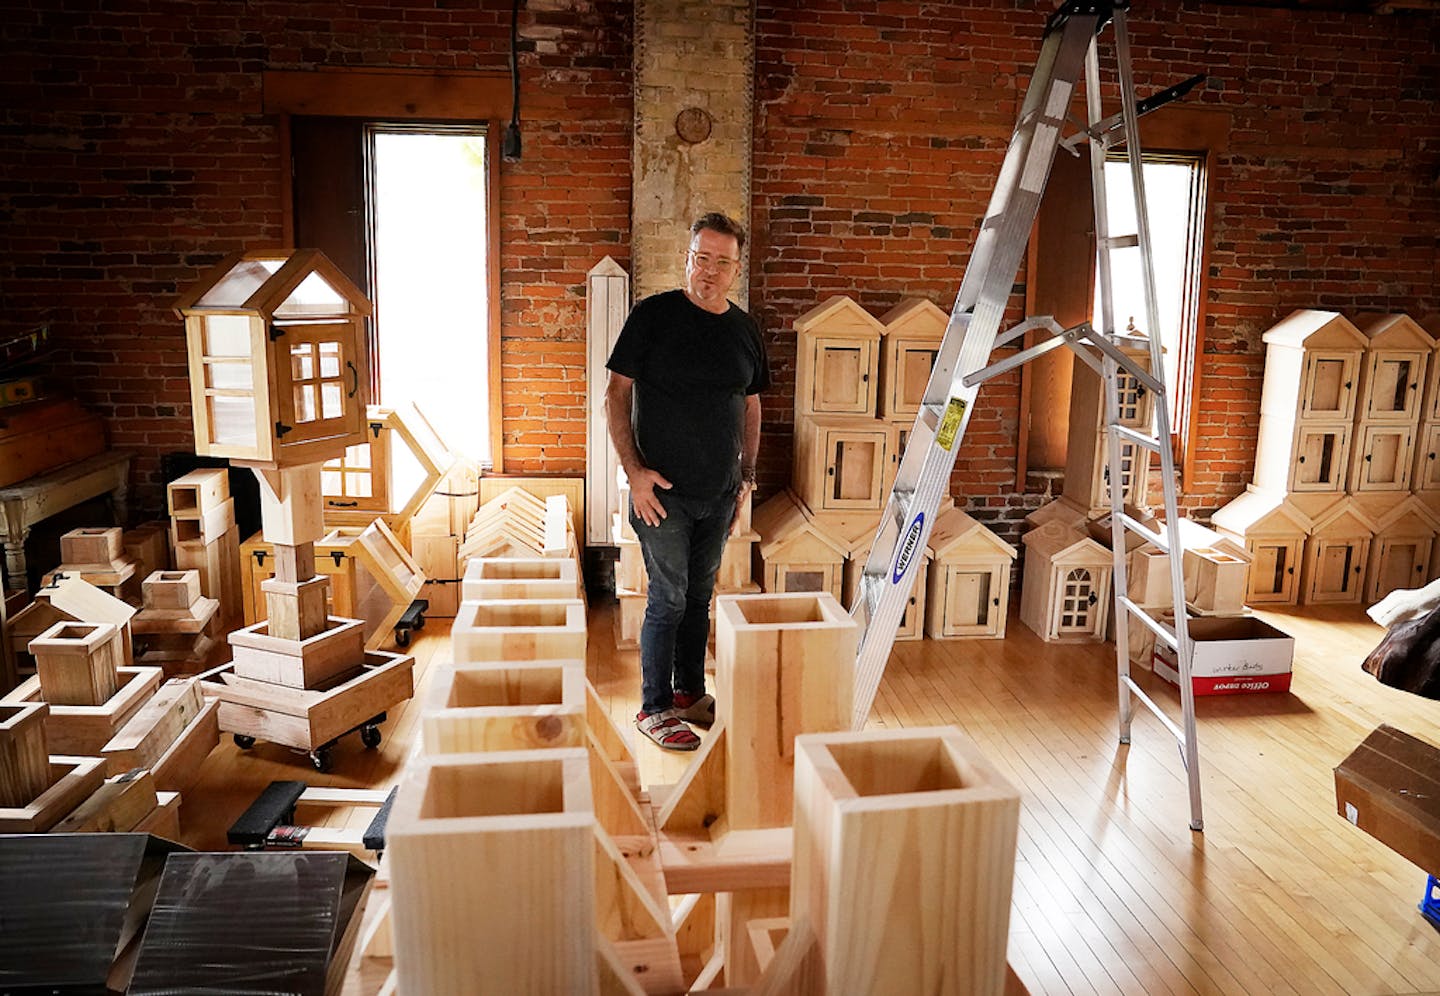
(694, 69)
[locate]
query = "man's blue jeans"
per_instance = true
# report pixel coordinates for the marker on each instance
(682, 557)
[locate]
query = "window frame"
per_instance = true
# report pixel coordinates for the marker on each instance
(439, 97)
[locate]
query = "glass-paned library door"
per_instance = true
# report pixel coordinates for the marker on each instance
(429, 236)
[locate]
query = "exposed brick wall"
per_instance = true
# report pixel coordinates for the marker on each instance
(135, 153)
(880, 130)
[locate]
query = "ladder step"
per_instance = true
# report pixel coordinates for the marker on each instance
(1161, 631)
(1137, 437)
(1145, 532)
(1165, 720)
(1123, 241)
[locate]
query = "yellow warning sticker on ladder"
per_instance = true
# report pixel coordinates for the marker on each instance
(950, 423)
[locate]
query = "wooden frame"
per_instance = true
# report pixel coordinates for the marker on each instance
(491, 578)
(519, 630)
(72, 781)
(85, 730)
(1393, 375)
(919, 823)
(308, 663)
(837, 359)
(1382, 458)
(1273, 530)
(472, 708)
(384, 568)
(842, 464)
(468, 834)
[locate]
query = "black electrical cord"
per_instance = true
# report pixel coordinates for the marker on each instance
(510, 147)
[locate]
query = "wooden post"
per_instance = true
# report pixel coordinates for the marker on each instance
(904, 860)
(784, 666)
(492, 860)
(24, 760)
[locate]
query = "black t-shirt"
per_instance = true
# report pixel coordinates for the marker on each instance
(692, 370)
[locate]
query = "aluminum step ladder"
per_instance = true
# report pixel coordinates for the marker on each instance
(1069, 53)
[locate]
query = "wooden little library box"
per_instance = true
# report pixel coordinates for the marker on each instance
(278, 368)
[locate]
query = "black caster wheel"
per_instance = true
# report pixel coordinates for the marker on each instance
(370, 736)
(402, 638)
(244, 742)
(320, 759)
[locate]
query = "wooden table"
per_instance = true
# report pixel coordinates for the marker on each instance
(38, 498)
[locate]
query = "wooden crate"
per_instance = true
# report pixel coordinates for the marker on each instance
(85, 730)
(491, 578)
(519, 630)
(76, 663)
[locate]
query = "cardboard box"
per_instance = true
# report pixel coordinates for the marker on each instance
(1232, 655)
(1390, 788)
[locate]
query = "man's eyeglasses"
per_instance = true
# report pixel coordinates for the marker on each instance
(720, 264)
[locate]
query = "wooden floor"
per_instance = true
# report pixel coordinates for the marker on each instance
(1113, 892)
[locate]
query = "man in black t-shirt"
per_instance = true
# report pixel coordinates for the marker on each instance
(683, 408)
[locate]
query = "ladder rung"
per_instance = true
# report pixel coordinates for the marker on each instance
(1160, 630)
(1150, 704)
(1145, 532)
(1123, 241)
(1138, 438)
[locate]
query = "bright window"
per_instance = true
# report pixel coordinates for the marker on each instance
(1173, 193)
(429, 230)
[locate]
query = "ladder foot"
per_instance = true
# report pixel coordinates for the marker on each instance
(1197, 825)
(1125, 738)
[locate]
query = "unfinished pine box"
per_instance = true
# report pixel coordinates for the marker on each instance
(70, 599)
(308, 663)
(969, 579)
(469, 837)
(1336, 553)
(519, 630)
(77, 662)
(841, 463)
(278, 363)
(92, 547)
(1382, 457)
(837, 359)
(504, 578)
(521, 705)
(924, 828)
(198, 492)
(1403, 546)
(914, 329)
(795, 554)
(1392, 374)
(1217, 577)
(1065, 592)
(1273, 530)
(784, 666)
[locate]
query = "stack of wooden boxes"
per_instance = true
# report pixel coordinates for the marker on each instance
(816, 537)
(1343, 409)
(206, 539)
(67, 599)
